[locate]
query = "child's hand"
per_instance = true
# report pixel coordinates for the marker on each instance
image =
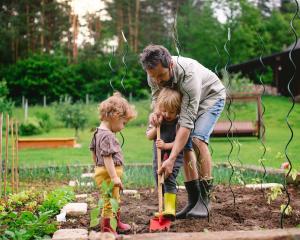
(117, 182)
(160, 144)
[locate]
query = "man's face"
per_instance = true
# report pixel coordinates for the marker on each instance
(160, 74)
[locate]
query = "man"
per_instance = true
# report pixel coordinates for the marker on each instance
(203, 99)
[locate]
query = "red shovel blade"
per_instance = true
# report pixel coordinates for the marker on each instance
(160, 223)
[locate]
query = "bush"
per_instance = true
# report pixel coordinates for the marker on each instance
(235, 82)
(44, 120)
(5, 104)
(31, 126)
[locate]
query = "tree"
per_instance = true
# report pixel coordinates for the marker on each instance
(72, 115)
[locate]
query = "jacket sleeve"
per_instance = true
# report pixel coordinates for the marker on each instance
(191, 94)
(154, 91)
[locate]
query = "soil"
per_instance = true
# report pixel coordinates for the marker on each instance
(250, 211)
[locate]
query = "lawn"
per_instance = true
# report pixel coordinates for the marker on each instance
(137, 149)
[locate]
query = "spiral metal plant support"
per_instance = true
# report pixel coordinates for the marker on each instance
(263, 127)
(228, 113)
(125, 52)
(288, 115)
(113, 71)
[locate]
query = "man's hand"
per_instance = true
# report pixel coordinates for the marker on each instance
(155, 118)
(160, 144)
(117, 182)
(166, 167)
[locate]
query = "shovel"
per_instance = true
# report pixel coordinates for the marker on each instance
(159, 223)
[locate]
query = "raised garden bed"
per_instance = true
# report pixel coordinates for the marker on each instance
(46, 142)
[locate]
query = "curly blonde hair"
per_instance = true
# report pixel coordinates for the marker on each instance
(169, 99)
(116, 107)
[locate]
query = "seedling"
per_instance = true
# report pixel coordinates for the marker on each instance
(106, 193)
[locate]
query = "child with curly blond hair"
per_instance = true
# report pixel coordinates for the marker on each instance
(168, 108)
(114, 113)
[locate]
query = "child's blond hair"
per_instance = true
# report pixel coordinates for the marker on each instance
(116, 107)
(169, 99)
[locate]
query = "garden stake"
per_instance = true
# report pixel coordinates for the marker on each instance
(1, 124)
(17, 157)
(12, 156)
(6, 153)
(159, 223)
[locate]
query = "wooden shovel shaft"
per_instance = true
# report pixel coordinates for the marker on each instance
(159, 177)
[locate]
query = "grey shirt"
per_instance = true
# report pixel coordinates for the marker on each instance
(105, 143)
(199, 86)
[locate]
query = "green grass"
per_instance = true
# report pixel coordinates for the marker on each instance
(137, 149)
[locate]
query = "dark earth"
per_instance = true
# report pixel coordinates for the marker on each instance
(250, 212)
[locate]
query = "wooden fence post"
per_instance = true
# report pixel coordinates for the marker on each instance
(6, 154)
(12, 166)
(17, 156)
(1, 167)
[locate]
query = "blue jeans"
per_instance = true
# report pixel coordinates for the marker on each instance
(205, 124)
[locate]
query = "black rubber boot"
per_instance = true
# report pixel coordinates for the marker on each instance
(193, 191)
(202, 207)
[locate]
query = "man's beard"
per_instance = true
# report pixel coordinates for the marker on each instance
(168, 83)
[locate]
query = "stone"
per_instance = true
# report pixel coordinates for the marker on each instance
(101, 236)
(271, 234)
(72, 183)
(87, 175)
(264, 185)
(71, 234)
(130, 192)
(75, 209)
(81, 196)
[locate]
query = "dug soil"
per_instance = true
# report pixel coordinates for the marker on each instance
(250, 211)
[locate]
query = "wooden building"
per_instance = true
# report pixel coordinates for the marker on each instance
(282, 68)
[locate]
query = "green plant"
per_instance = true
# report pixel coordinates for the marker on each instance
(236, 83)
(56, 199)
(31, 126)
(5, 104)
(72, 115)
(106, 195)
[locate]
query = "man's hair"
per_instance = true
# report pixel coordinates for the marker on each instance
(116, 107)
(152, 55)
(169, 99)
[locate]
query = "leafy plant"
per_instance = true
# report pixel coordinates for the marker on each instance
(31, 126)
(106, 193)
(236, 83)
(56, 199)
(72, 115)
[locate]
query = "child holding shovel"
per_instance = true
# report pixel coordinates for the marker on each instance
(167, 107)
(114, 113)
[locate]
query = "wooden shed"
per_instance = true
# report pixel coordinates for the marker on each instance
(281, 66)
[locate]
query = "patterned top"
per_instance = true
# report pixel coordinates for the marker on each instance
(105, 143)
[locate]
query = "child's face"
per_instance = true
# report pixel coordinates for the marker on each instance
(117, 124)
(168, 115)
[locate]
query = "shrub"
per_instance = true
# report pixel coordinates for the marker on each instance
(31, 126)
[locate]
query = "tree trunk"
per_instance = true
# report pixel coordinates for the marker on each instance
(136, 34)
(28, 28)
(43, 25)
(130, 30)
(75, 35)
(120, 24)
